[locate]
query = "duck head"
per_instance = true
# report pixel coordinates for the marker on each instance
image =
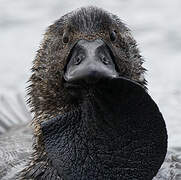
(93, 118)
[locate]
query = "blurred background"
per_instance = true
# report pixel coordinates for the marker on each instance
(155, 24)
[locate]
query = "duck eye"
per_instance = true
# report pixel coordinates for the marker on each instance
(65, 38)
(113, 36)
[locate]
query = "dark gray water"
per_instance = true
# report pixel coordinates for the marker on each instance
(155, 24)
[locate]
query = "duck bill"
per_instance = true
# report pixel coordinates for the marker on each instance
(90, 61)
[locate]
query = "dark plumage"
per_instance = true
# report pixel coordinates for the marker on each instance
(47, 94)
(110, 129)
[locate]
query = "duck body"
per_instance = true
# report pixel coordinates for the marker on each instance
(170, 169)
(16, 149)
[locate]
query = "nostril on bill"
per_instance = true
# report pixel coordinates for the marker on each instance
(105, 60)
(78, 59)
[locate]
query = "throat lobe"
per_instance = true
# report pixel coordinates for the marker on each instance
(113, 134)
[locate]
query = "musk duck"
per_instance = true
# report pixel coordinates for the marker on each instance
(92, 115)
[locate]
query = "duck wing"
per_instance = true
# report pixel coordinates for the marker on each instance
(13, 111)
(171, 168)
(15, 148)
(15, 135)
